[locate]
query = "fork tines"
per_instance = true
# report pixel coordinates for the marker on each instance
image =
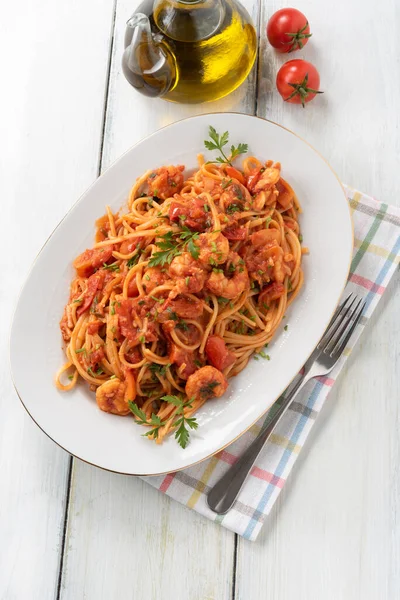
(341, 327)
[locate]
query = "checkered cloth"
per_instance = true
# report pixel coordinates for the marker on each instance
(375, 257)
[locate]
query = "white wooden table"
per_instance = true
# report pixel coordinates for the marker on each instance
(71, 531)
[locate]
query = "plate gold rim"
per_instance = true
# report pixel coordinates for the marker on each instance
(79, 199)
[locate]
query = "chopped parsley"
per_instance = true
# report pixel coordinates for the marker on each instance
(234, 207)
(134, 259)
(113, 267)
(207, 390)
(182, 325)
(225, 183)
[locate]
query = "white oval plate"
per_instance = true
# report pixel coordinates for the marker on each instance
(72, 419)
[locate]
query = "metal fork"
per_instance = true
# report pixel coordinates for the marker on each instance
(325, 356)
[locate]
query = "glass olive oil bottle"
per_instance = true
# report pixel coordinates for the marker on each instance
(189, 50)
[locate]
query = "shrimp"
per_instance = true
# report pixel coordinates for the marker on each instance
(268, 178)
(263, 185)
(152, 278)
(265, 262)
(165, 181)
(206, 383)
(266, 237)
(188, 274)
(113, 395)
(230, 288)
(214, 248)
(186, 307)
(235, 197)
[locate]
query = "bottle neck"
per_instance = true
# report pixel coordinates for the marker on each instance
(189, 20)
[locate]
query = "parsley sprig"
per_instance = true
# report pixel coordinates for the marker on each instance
(182, 433)
(172, 244)
(155, 422)
(218, 142)
(182, 423)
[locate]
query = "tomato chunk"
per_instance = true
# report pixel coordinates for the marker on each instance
(125, 321)
(218, 354)
(133, 355)
(128, 246)
(94, 283)
(192, 213)
(235, 174)
(94, 327)
(273, 291)
(233, 232)
(252, 180)
(184, 359)
(90, 260)
(96, 357)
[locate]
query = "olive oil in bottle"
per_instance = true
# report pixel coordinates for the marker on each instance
(189, 51)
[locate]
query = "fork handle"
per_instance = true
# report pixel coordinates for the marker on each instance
(224, 493)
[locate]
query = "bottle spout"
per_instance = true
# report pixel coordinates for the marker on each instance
(148, 65)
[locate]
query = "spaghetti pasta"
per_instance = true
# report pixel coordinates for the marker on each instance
(182, 289)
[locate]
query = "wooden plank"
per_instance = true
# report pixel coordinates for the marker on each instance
(54, 63)
(125, 539)
(334, 533)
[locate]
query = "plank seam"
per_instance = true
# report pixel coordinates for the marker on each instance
(64, 533)
(235, 553)
(258, 65)
(107, 89)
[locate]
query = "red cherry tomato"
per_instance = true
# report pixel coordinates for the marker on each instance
(288, 30)
(297, 81)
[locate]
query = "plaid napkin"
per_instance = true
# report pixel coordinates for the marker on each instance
(375, 257)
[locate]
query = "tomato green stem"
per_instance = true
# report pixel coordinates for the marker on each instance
(298, 36)
(302, 90)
